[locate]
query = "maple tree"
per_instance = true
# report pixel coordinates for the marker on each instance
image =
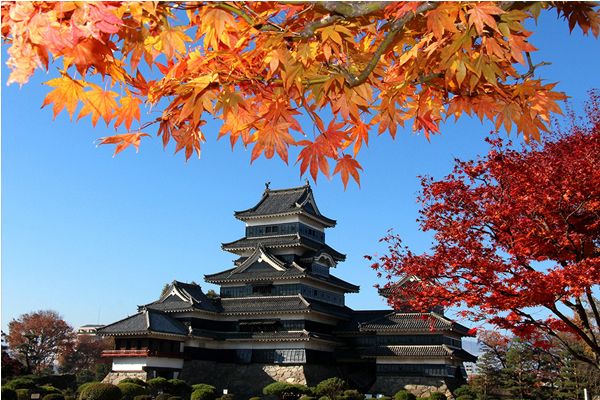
(258, 65)
(38, 338)
(516, 238)
(84, 354)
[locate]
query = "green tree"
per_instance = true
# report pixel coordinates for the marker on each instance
(331, 388)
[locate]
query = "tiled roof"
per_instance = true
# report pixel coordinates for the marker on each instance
(146, 321)
(183, 296)
(395, 321)
(359, 317)
(253, 276)
(283, 271)
(298, 200)
(270, 242)
(421, 351)
(267, 304)
(280, 304)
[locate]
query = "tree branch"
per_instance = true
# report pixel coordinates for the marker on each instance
(396, 27)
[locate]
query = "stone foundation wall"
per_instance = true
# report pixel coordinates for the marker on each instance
(116, 377)
(419, 386)
(248, 380)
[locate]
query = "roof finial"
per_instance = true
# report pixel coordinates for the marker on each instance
(267, 185)
(307, 182)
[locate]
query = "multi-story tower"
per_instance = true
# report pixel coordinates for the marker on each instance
(281, 316)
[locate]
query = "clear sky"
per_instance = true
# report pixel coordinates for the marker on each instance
(93, 237)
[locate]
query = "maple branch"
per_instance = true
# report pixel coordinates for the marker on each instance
(552, 333)
(532, 67)
(396, 27)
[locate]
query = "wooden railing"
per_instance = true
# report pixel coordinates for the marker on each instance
(142, 353)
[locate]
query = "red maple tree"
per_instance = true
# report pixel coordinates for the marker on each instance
(517, 238)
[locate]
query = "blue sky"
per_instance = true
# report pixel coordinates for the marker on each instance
(92, 236)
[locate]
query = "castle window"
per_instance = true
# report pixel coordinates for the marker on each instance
(262, 289)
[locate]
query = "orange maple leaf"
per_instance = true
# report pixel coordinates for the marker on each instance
(348, 166)
(68, 92)
(270, 138)
(123, 141)
(313, 155)
(130, 109)
(100, 103)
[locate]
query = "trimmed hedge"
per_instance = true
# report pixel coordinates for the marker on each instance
(332, 387)
(9, 393)
(405, 395)
(163, 396)
(178, 387)
(137, 381)
(228, 396)
(204, 386)
(23, 394)
(48, 389)
(54, 396)
(465, 397)
(143, 397)
(83, 386)
(101, 391)
(203, 394)
(437, 396)
(21, 383)
(131, 390)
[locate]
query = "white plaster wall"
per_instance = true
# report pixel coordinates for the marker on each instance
(131, 364)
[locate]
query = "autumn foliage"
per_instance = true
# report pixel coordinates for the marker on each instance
(517, 238)
(370, 67)
(37, 338)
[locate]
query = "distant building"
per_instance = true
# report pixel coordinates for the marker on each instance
(281, 316)
(89, 329)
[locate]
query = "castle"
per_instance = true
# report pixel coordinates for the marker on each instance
(281, 316)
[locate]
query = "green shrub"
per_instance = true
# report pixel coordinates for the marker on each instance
(228, 396)
(54, 396)
(48, 389)
(203, 394)
(405, 395)
(323, 398)
(305, 398)
(204, 386)
(465, 397)
(437, 396)
(23, 394)
(354, 394)
(465, 390)
(84, 377)
(175, 398)
(385, 398)
(70, 398)
(286, 390)
(257, 398)
(331, 388)
(178, 387)
(130, 390)
(142, 397)
(83, 386)
(21, 383)
(101, 391)
(9, 393)
(137, 381)
(163, 396)
(100, 371)
(158, 383)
